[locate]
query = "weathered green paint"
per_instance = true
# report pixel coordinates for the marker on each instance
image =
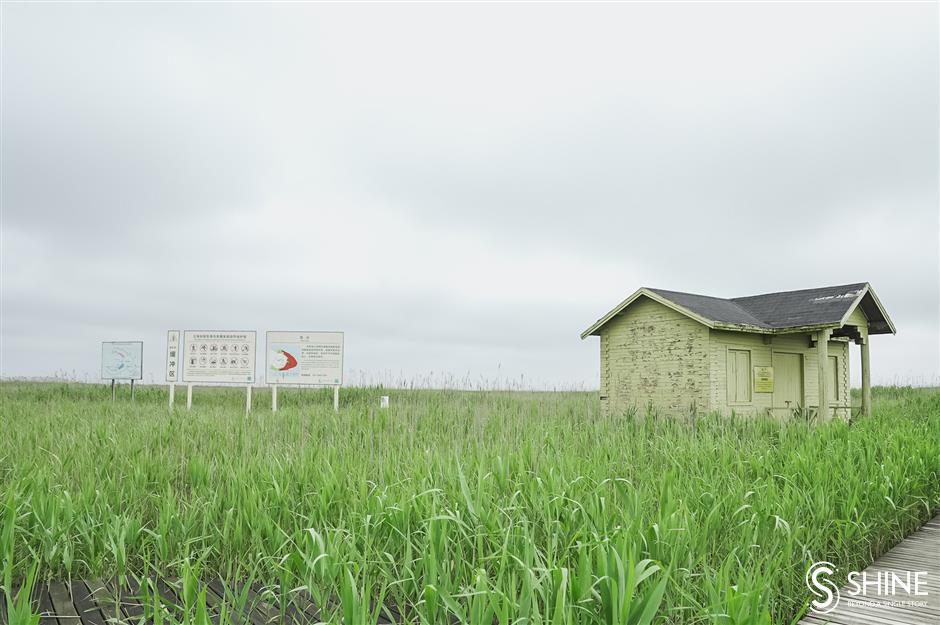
(856, 317)
(866, 376)
(822, 371)
(653, 354)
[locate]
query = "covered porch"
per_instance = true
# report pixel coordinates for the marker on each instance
(865, 318)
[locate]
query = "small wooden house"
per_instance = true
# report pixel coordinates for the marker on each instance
(772, 353)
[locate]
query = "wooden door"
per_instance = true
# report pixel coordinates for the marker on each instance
(788, 380)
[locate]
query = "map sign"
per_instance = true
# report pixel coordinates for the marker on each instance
(218, 356)
(122, 360)
(172, 355)
(304, 358)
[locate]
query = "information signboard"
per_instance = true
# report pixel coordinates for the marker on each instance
(314, 358)
(172, 355)
(218, 356)
(122, 360)
(763, 379)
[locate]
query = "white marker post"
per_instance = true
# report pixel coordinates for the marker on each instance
(189, 397)
(247, 399)
(172, 362)
(336, 399)
(274, 397)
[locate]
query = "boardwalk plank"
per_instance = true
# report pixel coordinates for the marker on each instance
(61, 599)
(226, 596)
(97, 602)
(900, 566)
(106, 598)
(262, 612)
(914, 555)
(918, 552)
(85, 604)
(809, 620)
(169, 597)
(214, 605)
(306, 610)
(868, 615)
(131, 602)
(296, 611)
(44, 601)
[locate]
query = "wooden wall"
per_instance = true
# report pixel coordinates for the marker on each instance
(653, 354)
(762, 355)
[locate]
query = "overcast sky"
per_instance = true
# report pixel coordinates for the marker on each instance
(460, 188)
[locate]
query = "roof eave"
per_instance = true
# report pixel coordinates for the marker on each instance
(742, 327)
(816, 327)
(867, 290)
(595, 329)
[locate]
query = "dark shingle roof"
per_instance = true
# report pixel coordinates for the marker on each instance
(787, 309)
(771, 312)
(807, 307)
(714, 308)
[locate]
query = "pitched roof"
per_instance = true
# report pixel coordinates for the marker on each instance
(714, 308)
(787, 309)
(769, 313)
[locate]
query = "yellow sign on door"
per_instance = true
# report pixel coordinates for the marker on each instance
(763, 379)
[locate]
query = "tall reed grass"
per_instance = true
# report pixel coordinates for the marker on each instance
(479, 507)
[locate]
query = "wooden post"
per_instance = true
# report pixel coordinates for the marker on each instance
(822, 355)
(336, 399)
(172, 394)
(866, 377)
(247, 399)
(274, 397)
(189, 396)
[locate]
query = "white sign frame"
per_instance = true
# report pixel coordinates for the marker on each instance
(304, 360)
(173, 356)
(105, 345)
(314, 340)
(234, 375)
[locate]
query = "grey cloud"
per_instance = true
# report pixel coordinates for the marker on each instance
(164, 163)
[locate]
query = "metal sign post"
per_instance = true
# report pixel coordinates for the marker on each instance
(216, 357)
(304, 359)
(122, 360)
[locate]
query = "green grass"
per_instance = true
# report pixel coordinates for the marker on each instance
(523, 507)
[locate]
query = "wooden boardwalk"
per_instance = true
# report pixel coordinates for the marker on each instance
(99, 603)
(918, 552)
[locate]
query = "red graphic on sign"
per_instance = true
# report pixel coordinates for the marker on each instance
(291, 361)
